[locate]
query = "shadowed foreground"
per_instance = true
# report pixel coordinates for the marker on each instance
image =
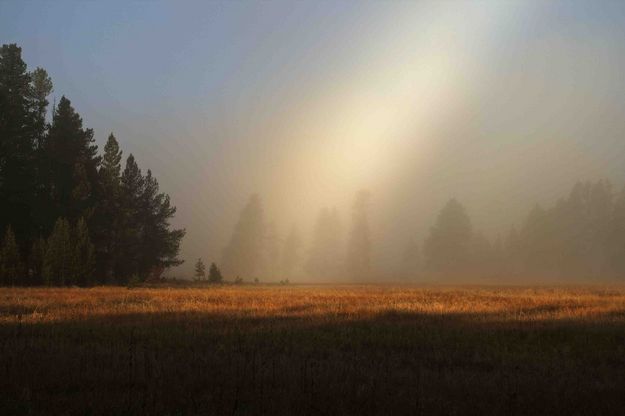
(313, 350)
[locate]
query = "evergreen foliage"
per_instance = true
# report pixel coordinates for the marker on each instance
(51, 176)
(11, 267)
(59, 261)
(291, 253)
(200, 270)
(243, 255)
(447, 247)
(359, 244)
(325, 257)
(84, 255)
(214, 274)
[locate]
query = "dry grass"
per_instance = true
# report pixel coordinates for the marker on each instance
(313, 350)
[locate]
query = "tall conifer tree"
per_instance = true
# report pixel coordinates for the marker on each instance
(17, 147)
(59, 261)
(11, 267)
(84, 255)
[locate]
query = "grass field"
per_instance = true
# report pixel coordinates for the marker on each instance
(319, 350)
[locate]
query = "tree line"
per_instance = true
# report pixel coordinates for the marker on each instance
(582, 236)
(256, 251)
(68, 215)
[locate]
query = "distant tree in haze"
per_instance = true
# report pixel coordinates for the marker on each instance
(359, 241)
(571, 238)
(324, 261)
(291, 253)
(582, 224)
(411, 260)
(498, 256)
(615, 242)
(200, 270)
(511, 254)
(243, 254)
(271, 251)
(481, 256)
(12, 270)
(58, 265)
(446, 249)
(214, 274)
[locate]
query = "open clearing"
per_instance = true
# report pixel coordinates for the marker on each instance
(322, 350)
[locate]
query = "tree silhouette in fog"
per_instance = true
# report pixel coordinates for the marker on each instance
(214, 274)
(271, 245)
(291, 253)
(577, 237)
(200, 270)
(243, 254)
(359, 243)
(411, 260)
(324, 261)
(447, 247)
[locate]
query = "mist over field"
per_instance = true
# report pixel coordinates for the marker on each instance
(316, 207)
(497, 105)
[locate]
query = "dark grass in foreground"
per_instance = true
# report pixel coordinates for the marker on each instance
(313, 350)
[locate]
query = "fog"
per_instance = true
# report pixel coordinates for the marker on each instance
(500, 105)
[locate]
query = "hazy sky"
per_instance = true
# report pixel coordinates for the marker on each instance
(500, 104)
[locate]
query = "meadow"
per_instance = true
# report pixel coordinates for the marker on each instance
(318, 350)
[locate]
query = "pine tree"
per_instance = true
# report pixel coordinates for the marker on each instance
(615, 244)
(324, 261)
(59, 259)
(271, 251)
(411, 260)
(159, 245)
(84, 255)
(50, 171)
(17, 144)
(130, 239)
(108, 218)
(41, 88)
(359, 245)
(243, 254)
(200, 270)
(11, 267)
(74, 162)
(447, 247)
(214, 274)
(291, 254)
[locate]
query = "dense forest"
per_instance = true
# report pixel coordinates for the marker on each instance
(69, 215)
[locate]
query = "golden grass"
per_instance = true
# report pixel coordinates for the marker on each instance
(38, 305)
(285, 350)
